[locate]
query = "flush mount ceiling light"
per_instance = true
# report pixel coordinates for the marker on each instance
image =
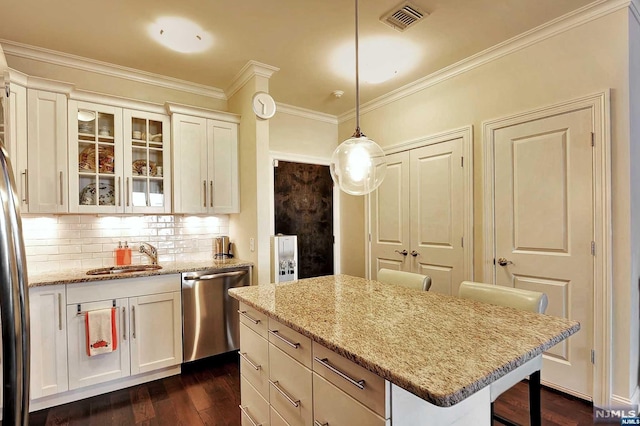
(381, 58)
(358, 164)
(180, 34)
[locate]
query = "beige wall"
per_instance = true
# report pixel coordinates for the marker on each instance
(112, 85)
(294, 134)
(584, 60)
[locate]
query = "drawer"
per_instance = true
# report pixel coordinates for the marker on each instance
(254, 410)
(342, 370)
(336, 408)
(254, 319)
(290, 389)
(254, 360)
(290, 342)
(276, 419)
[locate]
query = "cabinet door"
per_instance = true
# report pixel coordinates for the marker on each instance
(85, 370)
(147, 176)
(95, 158)
(13, 133)
(223, 194)
(47, 152)
(48, 341)
(189, 164)
(156, 331)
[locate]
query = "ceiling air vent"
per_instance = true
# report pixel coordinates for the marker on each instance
(403, 16)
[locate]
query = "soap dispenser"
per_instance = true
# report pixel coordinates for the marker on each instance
(127, 254)
(119, 254)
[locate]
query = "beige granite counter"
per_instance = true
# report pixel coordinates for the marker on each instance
(80, 275)
(438, 347)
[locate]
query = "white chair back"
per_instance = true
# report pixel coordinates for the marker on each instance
(405, 279)
(526, 300)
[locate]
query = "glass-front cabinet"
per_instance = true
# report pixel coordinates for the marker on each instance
(116, 160)
(147, 180)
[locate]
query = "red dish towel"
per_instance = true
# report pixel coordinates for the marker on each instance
(101, 333)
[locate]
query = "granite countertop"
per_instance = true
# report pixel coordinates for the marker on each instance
(438, 347)
(80, 275)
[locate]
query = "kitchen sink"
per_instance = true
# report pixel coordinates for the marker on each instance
(123, 269)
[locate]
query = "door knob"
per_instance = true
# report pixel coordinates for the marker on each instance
(403, 252)
(504, 262)
(414, 253)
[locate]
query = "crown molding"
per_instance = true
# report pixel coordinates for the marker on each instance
(39, 83)
(15, 76)
(21, 50)
(251, 69)
(305, 113)
(174, 108)
(549, 29)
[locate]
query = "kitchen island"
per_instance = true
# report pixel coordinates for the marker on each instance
(438, 354)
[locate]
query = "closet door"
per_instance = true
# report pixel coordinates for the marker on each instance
(389, 222)
(437, 208)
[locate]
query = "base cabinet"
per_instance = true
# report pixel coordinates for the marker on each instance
(48, 341)
(302, 391)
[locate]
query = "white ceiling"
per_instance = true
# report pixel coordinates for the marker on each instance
(296, 36)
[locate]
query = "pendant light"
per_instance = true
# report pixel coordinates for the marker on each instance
(358, 164)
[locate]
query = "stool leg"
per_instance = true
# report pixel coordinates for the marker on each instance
(535, 408)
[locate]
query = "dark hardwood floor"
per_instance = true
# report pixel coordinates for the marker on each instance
(208, 393)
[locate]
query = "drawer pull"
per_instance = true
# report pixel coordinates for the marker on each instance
(249, 317)
(317, 423)
(287, 341)
(325, 362)
(291, 400)
(246, 358)
(246, 413)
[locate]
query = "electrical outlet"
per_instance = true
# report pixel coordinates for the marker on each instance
(252, 244)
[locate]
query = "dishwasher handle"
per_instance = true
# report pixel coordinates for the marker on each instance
(215, 276)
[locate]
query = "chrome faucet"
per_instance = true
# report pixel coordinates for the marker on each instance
(152, 252)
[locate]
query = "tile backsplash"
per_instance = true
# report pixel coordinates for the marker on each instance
(78, 241)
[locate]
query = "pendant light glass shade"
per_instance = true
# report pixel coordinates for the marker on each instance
(358, 164)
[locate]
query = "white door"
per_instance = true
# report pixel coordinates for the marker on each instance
(85, 370)
(544, 227)
(189, 158)
(223, 167)
(48, 324)
(389, 224)
(156, 331)
(437, 214)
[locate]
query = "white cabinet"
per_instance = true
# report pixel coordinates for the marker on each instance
(13, 131)
(147, 171)
(205, 156)
(156, 331)
(48, 323)
(117, 160)
(148, 324)
(47, 152)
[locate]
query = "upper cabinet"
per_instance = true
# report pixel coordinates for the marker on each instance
(205, 164)
(116, 160)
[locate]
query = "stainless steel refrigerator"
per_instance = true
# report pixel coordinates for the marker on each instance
(14, 303)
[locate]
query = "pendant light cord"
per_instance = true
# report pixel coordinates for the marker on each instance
(357, 133)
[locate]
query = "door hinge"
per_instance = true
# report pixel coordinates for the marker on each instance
(462, 241)
(593, 139)
(593, 248)
(7, 89)
(461, 161)
(333, 238)
(593, 356)
(369, 237)
(275, 163)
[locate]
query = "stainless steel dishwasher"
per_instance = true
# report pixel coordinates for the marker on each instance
(210, 323)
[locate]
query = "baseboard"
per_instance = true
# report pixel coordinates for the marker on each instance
(89, 391)
(565, 390)
(634, 401)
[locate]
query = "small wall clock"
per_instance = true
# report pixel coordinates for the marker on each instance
(263, 105)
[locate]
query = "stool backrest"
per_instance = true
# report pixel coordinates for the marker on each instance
(405, 279)
(525, 300)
